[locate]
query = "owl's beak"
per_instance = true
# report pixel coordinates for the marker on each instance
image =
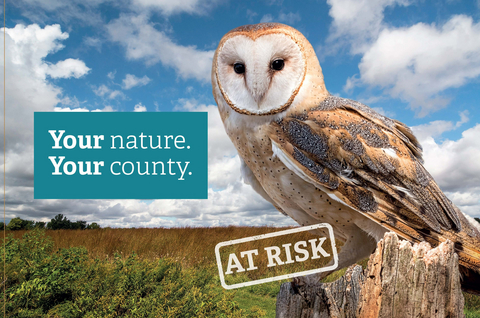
(257, 96)
(257, 85)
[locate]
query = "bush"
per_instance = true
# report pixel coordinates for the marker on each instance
(93, 226)
(16, 224)
(67, 283)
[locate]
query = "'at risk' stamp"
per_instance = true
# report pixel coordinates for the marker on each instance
(276, 256)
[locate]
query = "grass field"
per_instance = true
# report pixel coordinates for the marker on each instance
(123, 267)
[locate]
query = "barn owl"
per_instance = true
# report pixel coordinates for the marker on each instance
(320, 158)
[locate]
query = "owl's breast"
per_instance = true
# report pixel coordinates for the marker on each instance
(301, 200)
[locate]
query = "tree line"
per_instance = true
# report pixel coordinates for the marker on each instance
(59, 222)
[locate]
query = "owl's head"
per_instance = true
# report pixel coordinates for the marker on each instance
(261, 69)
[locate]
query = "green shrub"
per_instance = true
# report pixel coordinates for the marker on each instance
(67, 283)
(16, 224)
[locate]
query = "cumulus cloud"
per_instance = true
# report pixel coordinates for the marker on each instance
(131, 81)
(30, 89)
(357, 23)
(27, 75)
(417, 63)
(238, 204)
(436, 128)
(139, 108)
(219, 144)
(142, 41)
(230, 201)
(104, 91)
(116, 93)
(68, 109)
(454, 164)
(68, 68)
(82, 109)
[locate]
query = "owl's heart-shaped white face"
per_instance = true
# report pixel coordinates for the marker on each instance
(260, 76)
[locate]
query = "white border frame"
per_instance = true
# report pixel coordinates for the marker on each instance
(275, 278)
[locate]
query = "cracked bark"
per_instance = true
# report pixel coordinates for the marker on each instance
(400, 280)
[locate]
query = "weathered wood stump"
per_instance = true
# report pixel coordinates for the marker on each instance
(400, 280)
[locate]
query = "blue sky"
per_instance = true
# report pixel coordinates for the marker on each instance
(415, 61)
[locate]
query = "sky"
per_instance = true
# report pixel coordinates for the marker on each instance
(414, 61)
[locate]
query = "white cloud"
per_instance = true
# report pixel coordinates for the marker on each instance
(80, 109)
(417, 63)
(68, 109)
(357, 22)
(351, 83)
(223, 171)
(28, 90)
(169, 7)
(68, 68)
(436, 128)
(454, 164)
(105, 109)
(139, 108)
(72, 102)
(220, 148)
(238, 204)
(267, 18)
(382, 111)
(144, 42)
(111, 75)
(104, 91)
(93, 42)
(251, 14)
(86, 12)
(116, 93)
(288, 18)
(131, 81)
(42, 11)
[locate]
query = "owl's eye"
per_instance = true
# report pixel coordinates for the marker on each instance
(277, 65)
(239, 68)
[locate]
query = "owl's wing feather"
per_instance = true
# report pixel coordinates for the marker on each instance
(371, 165)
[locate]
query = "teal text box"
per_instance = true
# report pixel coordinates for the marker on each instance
(177, 167)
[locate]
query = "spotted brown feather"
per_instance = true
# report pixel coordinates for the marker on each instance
(337, 135)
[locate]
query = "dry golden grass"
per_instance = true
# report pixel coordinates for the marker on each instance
(192, 246)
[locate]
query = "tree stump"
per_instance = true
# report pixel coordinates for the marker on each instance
(400, 280)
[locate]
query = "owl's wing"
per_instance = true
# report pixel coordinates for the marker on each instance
(370, 165)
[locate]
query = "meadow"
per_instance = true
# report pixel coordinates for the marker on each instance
(144, 272)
